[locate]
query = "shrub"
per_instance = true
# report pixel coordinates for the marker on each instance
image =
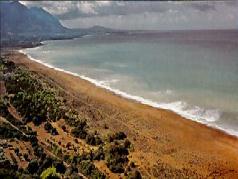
(26, 156)
(98, 140)
(88, 168)
(7, 131)
(115, 167)
(99, 154)
(72, 172)
(120, 136)
(38, 151)
(50, 173)
(116, 158)
(80, 130)
(60, 168)
(134, 175)
(22, 80)
(49, 128)
(118, 149)
(84, 156)
(32, 99)
(3, 106)
(71, 118)
(66, 157)
(93, 139)
(7, 173)
(33, 166)
(16, 151)
(116, 136)
(49, 162)
(127, 143)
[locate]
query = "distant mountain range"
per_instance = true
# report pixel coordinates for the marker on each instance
(18, 19)
(19, 22)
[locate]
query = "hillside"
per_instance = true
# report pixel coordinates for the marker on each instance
(26, 27)
(17, 19)
(41, 135)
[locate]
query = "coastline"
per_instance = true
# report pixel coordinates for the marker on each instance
(166, 106)
(160, 129)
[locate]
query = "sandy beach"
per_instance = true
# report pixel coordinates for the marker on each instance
(162, 140)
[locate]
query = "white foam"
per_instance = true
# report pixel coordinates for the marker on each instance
(108, 82)
(207, 117)
(167, 92)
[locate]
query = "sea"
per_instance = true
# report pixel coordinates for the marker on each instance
(193, 73)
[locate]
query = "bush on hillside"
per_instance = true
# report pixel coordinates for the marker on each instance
(116, 158)
(89, 169)
(80, 130)
(93, 139)
(116, 136)
(50, 173)
(33, 166)
(49, 128)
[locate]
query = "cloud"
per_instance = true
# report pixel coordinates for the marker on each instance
(204, 6)
(70, 9)
(144, 14)
(73, 9)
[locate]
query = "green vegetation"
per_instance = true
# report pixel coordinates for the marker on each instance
(99, 154)
(7, 132)
(11, 173)
(29, 91)
(93, 139)
(88, 168)
(50, 173)
(38, 102)
(117, 136)
(33, 166)
(116, 157)
(135, 174)
(43, 105)
(80, 130)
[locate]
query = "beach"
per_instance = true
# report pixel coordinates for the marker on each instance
(162, 139)
(197, 82)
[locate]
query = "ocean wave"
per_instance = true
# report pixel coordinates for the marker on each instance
(163, 92)
(46, 51)
(204, 116)
(109, 82)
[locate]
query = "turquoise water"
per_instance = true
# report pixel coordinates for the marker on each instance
(194, 75)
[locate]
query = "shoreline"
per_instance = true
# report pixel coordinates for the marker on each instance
(137, 99)
(161, 136)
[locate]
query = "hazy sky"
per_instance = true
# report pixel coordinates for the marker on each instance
(144, 15)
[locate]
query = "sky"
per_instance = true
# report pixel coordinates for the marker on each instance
(144, 15)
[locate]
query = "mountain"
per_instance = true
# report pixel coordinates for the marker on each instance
(17, 19)
(23, 26)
